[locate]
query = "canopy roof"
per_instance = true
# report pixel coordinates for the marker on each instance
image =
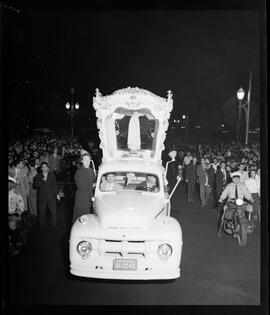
(132, 124)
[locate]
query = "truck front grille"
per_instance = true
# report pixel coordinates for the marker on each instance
(127, 249)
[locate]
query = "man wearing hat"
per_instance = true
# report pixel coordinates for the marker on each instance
(236, 190)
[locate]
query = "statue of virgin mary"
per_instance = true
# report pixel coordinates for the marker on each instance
(134, 133)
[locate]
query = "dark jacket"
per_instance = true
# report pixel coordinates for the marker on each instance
(191, 172)
(46, 189)
(219, 180)
(172, 173)
(84, 179)
(54, 163)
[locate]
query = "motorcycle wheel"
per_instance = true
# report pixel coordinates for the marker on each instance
(241, 233)
(226, 228)
(250, 228)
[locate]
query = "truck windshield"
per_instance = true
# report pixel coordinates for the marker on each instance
(124, 181)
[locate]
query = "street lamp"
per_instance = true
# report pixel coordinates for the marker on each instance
(71, 110)
(185, 117)
(246, 107)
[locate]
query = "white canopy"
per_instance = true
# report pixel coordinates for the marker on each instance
(132, 124)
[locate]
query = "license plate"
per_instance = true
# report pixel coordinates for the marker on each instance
(125, 264)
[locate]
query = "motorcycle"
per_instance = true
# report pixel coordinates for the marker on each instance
(236, 221)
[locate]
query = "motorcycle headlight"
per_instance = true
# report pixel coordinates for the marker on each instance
(84, 249)
(164, 251)
(239, 202)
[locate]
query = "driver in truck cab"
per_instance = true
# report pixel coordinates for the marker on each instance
(236, 190)
(149, 185)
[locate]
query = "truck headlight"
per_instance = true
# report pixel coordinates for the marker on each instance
(164, 251)
(84, 249)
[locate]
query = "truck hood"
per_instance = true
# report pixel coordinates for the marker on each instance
(128, 210)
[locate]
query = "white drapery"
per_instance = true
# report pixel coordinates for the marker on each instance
(134, 133)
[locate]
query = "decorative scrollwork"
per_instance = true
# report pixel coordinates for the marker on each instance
(132, 98)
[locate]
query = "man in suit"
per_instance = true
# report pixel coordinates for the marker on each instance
(191, 177)
(205, 175)
(54, 161)
(221, 179)
(46, 185)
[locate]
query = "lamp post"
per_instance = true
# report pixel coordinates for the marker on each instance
(246, 106)
(71, 110)
(185, 117)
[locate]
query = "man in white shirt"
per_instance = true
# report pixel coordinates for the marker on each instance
(187, 159)
(233, 191)
(243, 173)
(215, 164)
(258, 176)
(253, 187)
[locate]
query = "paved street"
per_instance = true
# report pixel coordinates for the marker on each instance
(214, 271)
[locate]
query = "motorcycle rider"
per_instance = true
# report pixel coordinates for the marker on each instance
(233, 191)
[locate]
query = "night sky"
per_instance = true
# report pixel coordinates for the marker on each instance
(203, 56)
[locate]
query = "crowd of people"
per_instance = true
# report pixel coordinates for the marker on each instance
(212, 167)
(36, 163)
(25, 158)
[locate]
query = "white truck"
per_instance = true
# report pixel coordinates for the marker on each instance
(130, 234)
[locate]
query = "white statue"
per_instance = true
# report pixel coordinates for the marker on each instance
(134, 133)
